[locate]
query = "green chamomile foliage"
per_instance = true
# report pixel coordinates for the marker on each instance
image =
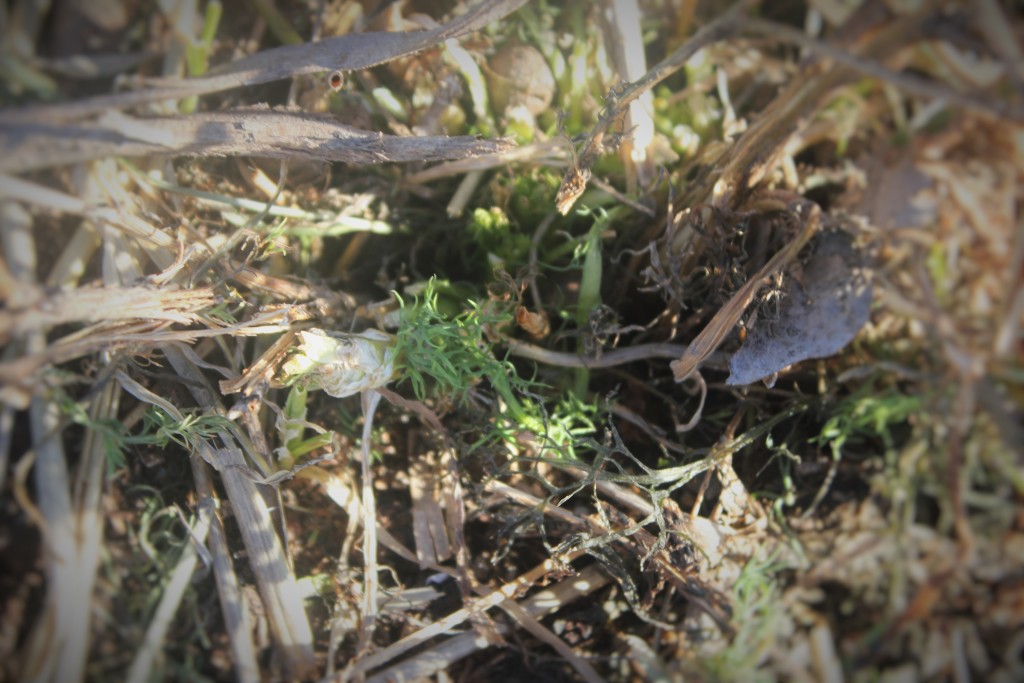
(444, 356)
(160, 429)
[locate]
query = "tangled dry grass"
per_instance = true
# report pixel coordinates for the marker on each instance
(705, 370)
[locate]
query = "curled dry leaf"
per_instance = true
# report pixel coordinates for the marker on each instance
(342, 364)
(536, 325)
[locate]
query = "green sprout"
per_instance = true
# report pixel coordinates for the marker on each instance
(532, 194)
(442, 355)
(197, 50)
(292, 425)
(869, 413)
(756, 616)
(446, 356)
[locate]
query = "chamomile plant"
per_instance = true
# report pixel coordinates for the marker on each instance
(444, 357)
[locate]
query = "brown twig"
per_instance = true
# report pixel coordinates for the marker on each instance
(442, 655)
(788, 107)
(343, 53)
(104, 304)
(232, 605)
(575, 181)
(712, 335)
(249, 132)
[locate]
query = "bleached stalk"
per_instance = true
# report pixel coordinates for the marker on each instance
(370, 399)
(149, 650)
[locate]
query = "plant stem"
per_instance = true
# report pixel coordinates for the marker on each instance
(590, 298)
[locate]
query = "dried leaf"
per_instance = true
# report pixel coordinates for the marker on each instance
(822, 311)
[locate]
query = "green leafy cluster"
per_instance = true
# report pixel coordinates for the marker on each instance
(158, 429)
(492, 230)
(869, 413)
(528, 196)
(444, 356)
(533, 194)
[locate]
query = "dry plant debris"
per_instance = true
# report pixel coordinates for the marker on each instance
(424, 341)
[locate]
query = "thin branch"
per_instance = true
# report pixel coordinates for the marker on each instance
(726, 26)
(506, 592)
(237, 621)
(152, 645)
(908, 82)
(28, 146)
(447, 652)
(343, 53)
(369, 399)
(104, 304)
(285, 610)
(607, 359)
(733, 23)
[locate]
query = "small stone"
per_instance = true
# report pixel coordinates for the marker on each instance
(518, 75)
